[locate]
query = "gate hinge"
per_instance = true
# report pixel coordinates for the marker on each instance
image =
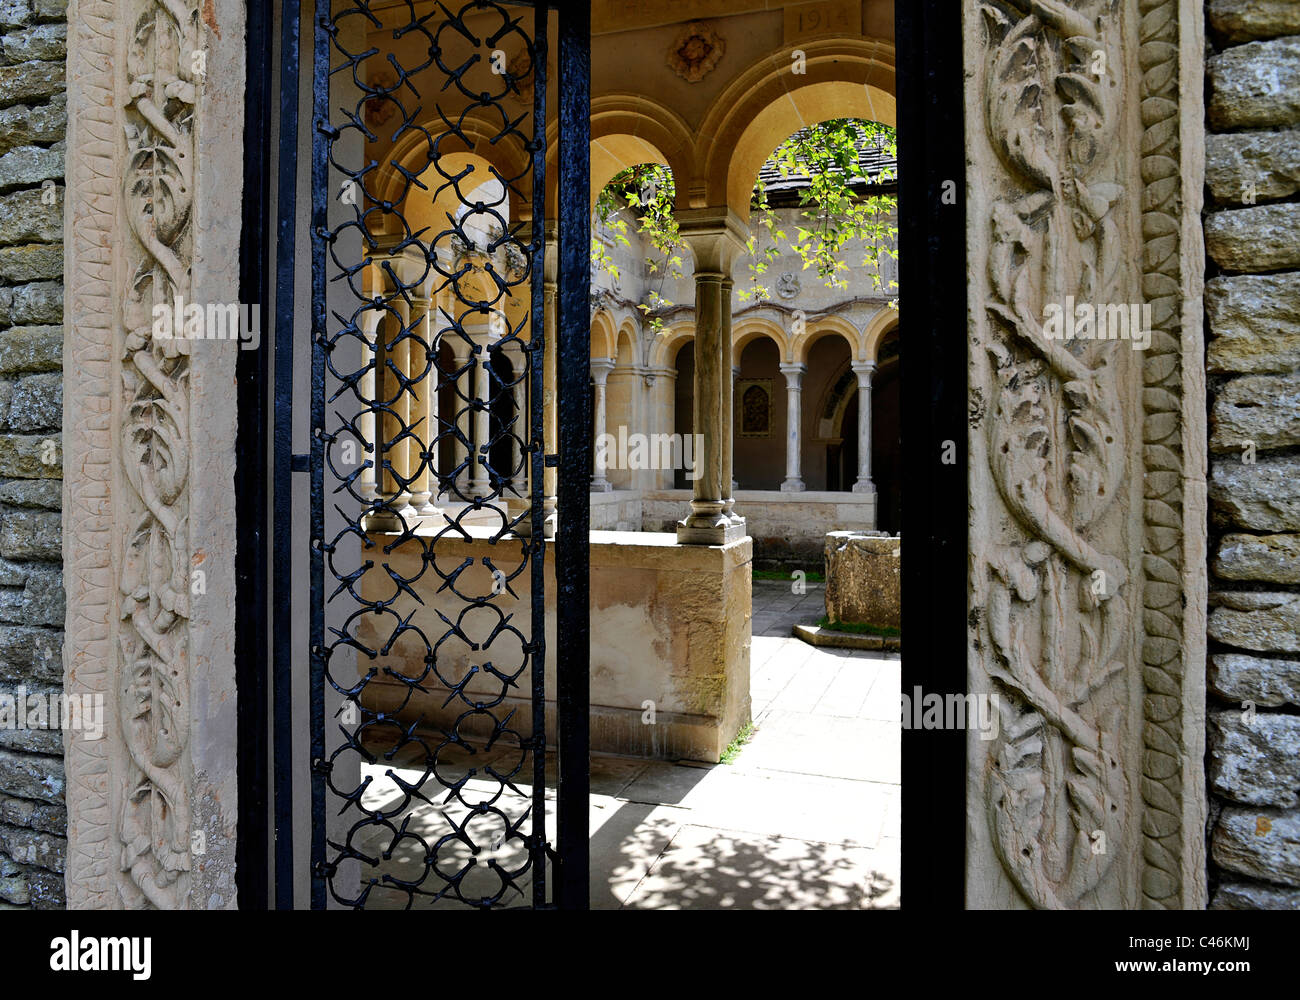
(300, 463)
(552, 461)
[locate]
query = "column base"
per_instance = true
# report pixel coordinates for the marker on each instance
(388, 522)
(524, 529)
(422, 504)
(708, 524)
(793, 486)
(723, 535)
(862, 486)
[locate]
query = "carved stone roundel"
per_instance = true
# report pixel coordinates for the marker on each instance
(696, 51)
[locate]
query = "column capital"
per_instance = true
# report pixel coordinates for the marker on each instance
(600, 369)
(793, 373)
(864, 370)
(716, 238)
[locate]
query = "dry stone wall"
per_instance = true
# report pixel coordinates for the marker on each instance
(1252, 230)
(33, 821)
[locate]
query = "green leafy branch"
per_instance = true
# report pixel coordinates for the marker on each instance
(837, 212)
(647, 192)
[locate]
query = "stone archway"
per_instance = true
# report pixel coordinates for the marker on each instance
(1127, 824)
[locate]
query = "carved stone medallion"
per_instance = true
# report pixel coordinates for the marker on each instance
(696, 51)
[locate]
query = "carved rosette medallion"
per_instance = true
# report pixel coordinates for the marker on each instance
(696, 51)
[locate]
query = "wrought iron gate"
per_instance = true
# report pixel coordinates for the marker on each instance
(434, 472)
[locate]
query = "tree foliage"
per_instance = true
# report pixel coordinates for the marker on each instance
(837, 210)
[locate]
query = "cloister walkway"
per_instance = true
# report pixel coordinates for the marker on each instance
(805, 816)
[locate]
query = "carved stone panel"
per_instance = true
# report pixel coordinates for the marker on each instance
(155, 108)
(1086, 487)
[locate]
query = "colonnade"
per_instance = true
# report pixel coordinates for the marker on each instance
(406, 472)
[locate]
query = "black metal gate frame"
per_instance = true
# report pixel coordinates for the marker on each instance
(570, 854)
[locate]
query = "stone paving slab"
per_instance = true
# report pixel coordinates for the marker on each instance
(704, 868)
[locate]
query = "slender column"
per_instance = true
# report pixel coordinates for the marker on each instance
(434, 389)
(478, 479)
(519, 429)
(600, 369)
(392, 454)
(460, 415)
(424, 405)
(730, 468)
(666, 381)
(864, 370)
(715, 236)
(547, 359)
(794, 427)
(727, 429)
(707, 521)
(368, 485)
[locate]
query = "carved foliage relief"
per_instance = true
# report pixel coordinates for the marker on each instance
(153, 667)
(1079, 189)
(1055, 607)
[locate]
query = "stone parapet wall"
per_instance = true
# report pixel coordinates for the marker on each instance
(1252, 229)
(670, 642)
(789, 529)
(33, 126)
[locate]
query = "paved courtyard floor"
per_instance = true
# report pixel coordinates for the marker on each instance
(806, 816)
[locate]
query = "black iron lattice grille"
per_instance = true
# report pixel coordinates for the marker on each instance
(428, 499)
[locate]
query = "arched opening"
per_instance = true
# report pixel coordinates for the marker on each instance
(831, 442)
(506, 423)
(760, 418)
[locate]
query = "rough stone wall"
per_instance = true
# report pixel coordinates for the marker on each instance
(1252, 230)
(33, 820)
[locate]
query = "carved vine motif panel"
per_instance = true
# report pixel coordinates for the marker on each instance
(154, 669)
(155, 91)
(1076, 440)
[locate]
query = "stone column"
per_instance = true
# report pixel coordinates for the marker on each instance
(367, 484)
(864, 370)
(424, 405)
(715, 237)
(600, 369)
(730, 466)
(460, 415)
(519, 429)
(391, 455)
(727, 429)
(547, 359)
(665, 408)
(481, 415)
(793, 427)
